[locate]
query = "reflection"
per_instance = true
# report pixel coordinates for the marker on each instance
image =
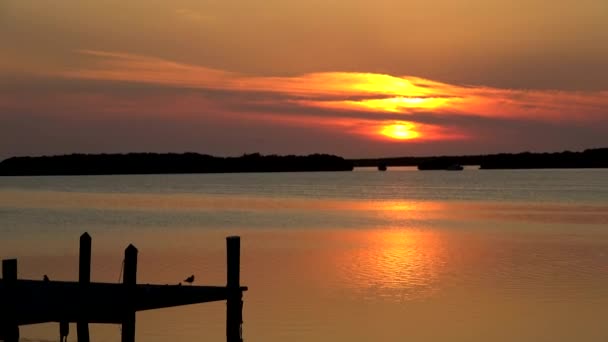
(185, 202)
(398, 208)
(393, 264)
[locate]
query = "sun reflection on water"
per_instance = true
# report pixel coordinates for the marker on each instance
(394, 264)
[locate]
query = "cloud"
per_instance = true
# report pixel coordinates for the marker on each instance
(216, 110)
(354, 91)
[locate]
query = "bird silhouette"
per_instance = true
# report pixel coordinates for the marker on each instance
(45, 278)
(190, 279)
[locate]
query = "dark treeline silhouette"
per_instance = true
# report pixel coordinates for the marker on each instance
(154, 163)
(591, 158)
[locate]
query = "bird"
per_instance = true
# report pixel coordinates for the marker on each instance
(45, 278)
(190, 279)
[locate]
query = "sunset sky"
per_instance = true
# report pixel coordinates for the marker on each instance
(357, 78)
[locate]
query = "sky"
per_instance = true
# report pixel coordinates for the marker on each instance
(356, 78)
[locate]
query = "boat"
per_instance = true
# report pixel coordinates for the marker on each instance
(455, 167)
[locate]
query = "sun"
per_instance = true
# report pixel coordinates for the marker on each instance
(400, 131)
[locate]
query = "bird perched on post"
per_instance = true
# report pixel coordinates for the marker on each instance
(190, 279)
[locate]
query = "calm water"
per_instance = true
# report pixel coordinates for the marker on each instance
(357, 256)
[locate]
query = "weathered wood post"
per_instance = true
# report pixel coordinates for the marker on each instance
(234, 304)
(84, 279)
(9, 280)
(129, 282)
(64, 331)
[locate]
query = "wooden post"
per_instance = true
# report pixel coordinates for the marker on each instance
(64, 331)
(84, 279)
(233, 262)
(9, 272)
(234, 304)
(129, 282)
(84, 265)
(9, 280)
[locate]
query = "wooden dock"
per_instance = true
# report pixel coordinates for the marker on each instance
(25, 302)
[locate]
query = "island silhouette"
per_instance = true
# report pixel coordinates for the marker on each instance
(590, 158)
(155, 163)
(167, 163)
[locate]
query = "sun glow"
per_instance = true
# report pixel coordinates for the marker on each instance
(365, 104)
(400, 131)
(397, 104)
(401, 104)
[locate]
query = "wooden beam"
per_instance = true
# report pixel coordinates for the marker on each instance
(54, 301)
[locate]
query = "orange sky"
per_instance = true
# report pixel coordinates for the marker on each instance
(356, 78)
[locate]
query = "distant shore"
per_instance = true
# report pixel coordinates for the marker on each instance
(167, 163)
(591, 158)
(173, 163)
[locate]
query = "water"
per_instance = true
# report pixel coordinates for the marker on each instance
(357, 256)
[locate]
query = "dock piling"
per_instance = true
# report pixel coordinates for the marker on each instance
(9, 280)
(129, 282)
(234, 303)
(84, 265)
(9, 272)
(233, 261)
(64, 331)
(84, 279)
